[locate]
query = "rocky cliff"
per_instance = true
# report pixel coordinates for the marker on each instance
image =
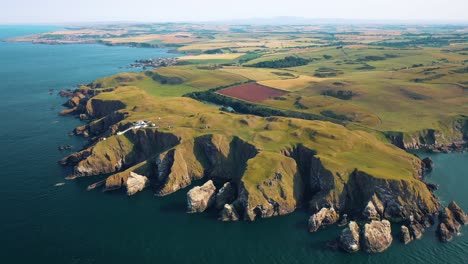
(451, 135)
(273, 165)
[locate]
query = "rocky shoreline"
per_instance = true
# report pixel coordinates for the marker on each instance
(366, 205)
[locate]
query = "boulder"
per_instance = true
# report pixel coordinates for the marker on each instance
(135, 183)
(225, 195)
(325, 217)
(405, 235)
(349, 238)
(370, 212)
(377, 236)
(229, 213)
(199, 198)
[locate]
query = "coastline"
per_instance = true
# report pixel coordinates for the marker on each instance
(416, 227)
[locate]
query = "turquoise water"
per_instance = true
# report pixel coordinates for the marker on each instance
(42, 223)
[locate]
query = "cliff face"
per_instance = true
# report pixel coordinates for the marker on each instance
(119, 152)
(275, 165)
(398, 199)
(449, 136)
(97, 108)
(271, 185)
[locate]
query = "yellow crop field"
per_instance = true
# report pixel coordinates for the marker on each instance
(295, 84)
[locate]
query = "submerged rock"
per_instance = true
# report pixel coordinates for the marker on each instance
(323, 218)
(405, 235)
(135, 183)
(349, 238)
(199, 198)
(229, 213)
(377, 236)
(226, 195)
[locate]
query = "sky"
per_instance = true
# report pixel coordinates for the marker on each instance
(66, 11)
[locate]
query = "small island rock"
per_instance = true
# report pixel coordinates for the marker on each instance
(405, 235)
(323, 218)
(349, 238)
(229, 213)
(377, 236)
(199, 198)
(225, 195)
(135, 183)
(450, 221)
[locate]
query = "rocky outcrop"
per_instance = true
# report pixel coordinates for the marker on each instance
(97, 108)
(405, 235)
(225, 195)
(445, 234)
(275, 188)
(343, 221)
(370, 212)
(458, 213)
(416, 229)
(135, 183)
(377, 236)
(451, 135)
(177, 168)
(396, 200)
(228, 213)
(323, 218)
(428, 164)
(199, 198)
(349, 238)
(450, 221)
(76, 157)
(119, 152)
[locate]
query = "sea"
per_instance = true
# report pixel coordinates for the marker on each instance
(47, 219)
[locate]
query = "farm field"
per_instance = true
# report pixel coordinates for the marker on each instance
(376, 78)
(251, 92)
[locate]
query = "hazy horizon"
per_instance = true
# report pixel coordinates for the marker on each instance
(143, 11)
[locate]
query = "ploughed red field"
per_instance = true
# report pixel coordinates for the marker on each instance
(252, 92)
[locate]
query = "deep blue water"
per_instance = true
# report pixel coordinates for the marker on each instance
(42, 223)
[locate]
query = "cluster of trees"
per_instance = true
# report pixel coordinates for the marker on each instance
(365, 66)
(331, 114)
(287, 62)
(326, 72)
(427, 41)
(171, 80)
(298, 103)
(430, 78)
(340, 94)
